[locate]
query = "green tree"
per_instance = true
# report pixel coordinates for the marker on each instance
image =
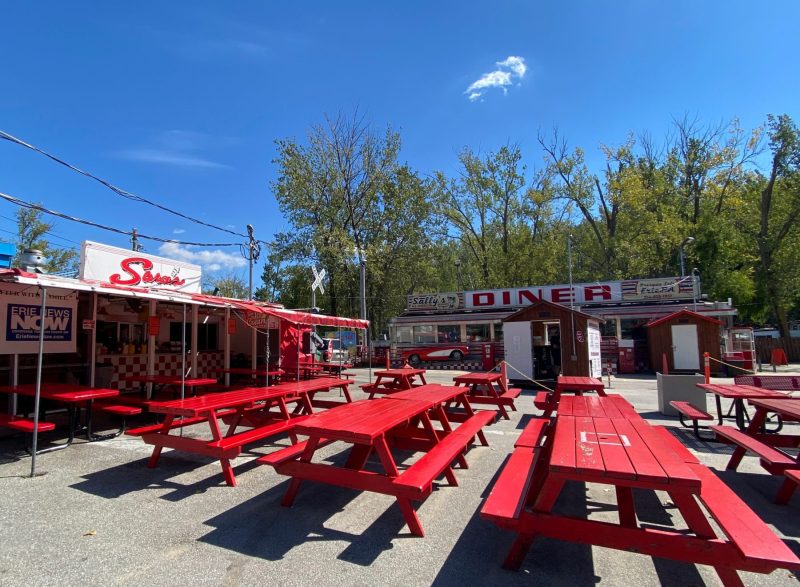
(32, 233)
(227, 285)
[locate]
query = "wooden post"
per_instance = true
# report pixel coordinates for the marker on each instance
(707, 366)
(388, 358)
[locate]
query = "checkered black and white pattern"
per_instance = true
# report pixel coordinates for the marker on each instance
(166, 364)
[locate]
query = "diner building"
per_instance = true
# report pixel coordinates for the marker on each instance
(129, 313)
(475, 317)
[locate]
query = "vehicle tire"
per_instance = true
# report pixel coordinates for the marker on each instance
(456, 356)
(414, 359)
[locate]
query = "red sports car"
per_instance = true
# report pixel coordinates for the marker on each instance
(450, 352)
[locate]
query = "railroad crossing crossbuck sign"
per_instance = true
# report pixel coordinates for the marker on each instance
(318, 277)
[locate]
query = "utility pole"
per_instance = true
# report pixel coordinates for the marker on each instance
(253, 251)
(135, 246)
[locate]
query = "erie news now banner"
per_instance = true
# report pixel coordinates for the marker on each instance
(20, 308)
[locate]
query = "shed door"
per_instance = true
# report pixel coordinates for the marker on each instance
(685, 350)
(518, 348)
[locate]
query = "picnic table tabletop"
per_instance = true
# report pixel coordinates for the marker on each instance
(171, 380)
(572, 383)
(738, 393)
(362, 421)
(254, 372)
(197, 405)
(402, 372)
(602, 449)
(787, 407)
(610, 406)
(63, 392)
(432, 392)
(477, 378)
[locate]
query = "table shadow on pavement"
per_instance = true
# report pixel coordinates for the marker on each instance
(482, 547)
(261, 527)
(135, 476)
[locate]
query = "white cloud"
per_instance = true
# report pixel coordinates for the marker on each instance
(511, 68)
(178, 231)
(179, 147)
(210, 260)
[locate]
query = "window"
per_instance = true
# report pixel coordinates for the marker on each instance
(424, 334)
(477, 332)
(403, 334)
(449, 333)
(498, 332)
(608, 329)
(634, 328)
(207, 335)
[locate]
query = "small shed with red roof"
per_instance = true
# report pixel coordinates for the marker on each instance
(683, 337)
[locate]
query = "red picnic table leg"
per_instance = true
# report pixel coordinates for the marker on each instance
(549, 488)
(441, 415)
(294, 483)
(409, 514)
(434, 438)
(464, 401)
(755, 425)
(346, 392)
(625, 505)
(165, 428)
(698, 523)
(216, 434)
(492, 392)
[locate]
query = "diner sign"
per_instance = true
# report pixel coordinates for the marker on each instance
(599, 292)
(122, 267)
(21, 309)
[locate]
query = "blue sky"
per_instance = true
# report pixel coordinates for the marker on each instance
(180, 102)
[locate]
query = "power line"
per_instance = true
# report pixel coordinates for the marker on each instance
(113, 188)
(31, 206)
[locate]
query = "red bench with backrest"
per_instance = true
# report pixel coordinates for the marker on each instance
(786, 383)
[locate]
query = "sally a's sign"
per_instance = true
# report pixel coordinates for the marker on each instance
(21, 311)
(125, 268)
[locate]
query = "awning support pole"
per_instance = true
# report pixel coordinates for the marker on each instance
(227, 355)
(183, 355)
(151, 346)
(37, 396)
(93, 343)
(194, 346)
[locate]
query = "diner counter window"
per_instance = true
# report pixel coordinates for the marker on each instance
(449, 333)
(477, 332)
(424, 334)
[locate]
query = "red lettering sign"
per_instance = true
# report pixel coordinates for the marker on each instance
(153, 325)
(232, 326)
(526, 296)
(506, 298)
(601, 292)
(483, 299)
(561, 294)
(134, 278)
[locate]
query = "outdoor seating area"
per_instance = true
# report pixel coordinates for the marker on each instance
(414, 442)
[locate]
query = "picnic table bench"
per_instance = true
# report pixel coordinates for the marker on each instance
(489, 388)
(74, 397)
(391, 380)
(382, 425)
(249, 406)
(766, 446)
(598, 440)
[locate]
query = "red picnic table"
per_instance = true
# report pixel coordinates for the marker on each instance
(383, 425)
(767, 446)
(171, 381)
(391, 380)
(548, 401)
(252, 372)
(312, 387)
(74, 397)
(333, 368)
(598, 440)
(249, 407)
(738, 393)
(489, 388)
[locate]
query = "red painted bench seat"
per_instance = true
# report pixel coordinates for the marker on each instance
(254, 434)
(508, 494)
(121, 410)
(24, 424)
(420, 476)
(749, 534)
(533, 433)
(773, 460)
(687, 410)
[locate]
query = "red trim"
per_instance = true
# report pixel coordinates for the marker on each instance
(687, 313)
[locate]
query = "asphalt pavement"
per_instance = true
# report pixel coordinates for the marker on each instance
(98, 516)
